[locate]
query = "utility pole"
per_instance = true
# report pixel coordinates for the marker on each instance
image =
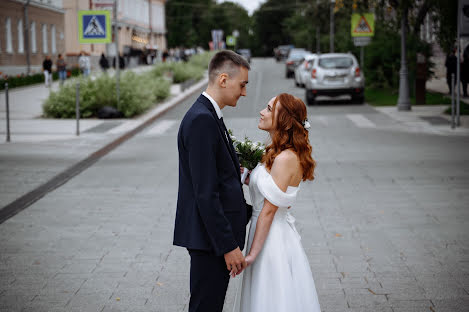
(318, 43)
(403, 102)
(26, 37)
(331, 37)
(118, 60)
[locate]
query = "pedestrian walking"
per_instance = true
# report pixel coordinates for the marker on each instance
(103, 63)
(121, 62)
(62, 69)
(165, 55)
(451, 66)
(84, 64)
(47, 69)
(465, 74)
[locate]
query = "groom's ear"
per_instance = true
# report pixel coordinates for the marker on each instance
(222, 80)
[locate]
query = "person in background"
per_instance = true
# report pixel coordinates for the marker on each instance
(84, 64)
(47, 69)
(465, 74)
(62, 69)
(103, 63)
(451, 65)
(165, 55)
(121, 62)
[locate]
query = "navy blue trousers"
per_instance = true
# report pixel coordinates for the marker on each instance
(209, 280)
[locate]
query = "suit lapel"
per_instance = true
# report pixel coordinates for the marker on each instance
(226, 138)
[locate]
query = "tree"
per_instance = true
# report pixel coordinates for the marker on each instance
(269, 26)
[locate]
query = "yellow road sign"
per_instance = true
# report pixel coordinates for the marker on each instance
(363, 25)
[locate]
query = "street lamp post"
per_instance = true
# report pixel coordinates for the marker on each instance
(331, 39)
(318, 44)
(403, 102)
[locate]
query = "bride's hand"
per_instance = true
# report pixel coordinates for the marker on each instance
(249, 260)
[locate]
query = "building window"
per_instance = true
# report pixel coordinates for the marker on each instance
(9, 45)
(20, 37)
(33, 37)
(44, 39)
(52, 41)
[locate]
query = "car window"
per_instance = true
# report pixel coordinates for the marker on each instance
(296, 55)
(335, 62)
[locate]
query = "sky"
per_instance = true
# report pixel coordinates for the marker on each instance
(250, 5)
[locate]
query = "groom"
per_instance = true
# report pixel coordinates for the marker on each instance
(211, 214)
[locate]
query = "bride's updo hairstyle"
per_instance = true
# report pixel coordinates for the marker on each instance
(290, 133)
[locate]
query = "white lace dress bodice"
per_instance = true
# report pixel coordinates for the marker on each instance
(280, 278)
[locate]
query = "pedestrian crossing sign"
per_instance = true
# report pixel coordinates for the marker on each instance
(94, 26)
(363, 25)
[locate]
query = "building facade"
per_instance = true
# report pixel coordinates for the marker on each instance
(141, 29)
(44, 29)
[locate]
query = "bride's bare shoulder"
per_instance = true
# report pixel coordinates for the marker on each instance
(286, 161)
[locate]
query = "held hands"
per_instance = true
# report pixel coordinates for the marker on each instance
(235, 262)
(249, 260)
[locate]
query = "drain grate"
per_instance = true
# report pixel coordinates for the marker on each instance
(435, 120)
(103, 127)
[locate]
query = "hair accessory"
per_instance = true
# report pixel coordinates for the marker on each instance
(306, 124)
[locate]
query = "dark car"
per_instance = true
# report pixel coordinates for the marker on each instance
(295, 57)
(246, 53)
(281, 52)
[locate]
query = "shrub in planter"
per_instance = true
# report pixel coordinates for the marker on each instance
(137, 94)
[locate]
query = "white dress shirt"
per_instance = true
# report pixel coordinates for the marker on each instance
(215, 105)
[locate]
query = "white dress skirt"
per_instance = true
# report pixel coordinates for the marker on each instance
(280, 278)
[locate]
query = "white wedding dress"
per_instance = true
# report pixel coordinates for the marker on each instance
(280, 279)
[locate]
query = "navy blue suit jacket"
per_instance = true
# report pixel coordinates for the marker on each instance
(211, 211)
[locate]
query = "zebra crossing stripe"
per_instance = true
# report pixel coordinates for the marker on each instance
(161, 127)
(361, 121)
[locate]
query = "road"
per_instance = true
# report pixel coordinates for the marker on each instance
(385, 224)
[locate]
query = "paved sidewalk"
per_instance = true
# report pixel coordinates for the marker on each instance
(42, 148)
(384, 225)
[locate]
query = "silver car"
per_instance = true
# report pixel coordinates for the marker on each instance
(303, 71)
(294, 59)
(335, 74)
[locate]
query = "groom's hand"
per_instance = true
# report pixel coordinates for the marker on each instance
(235, 261)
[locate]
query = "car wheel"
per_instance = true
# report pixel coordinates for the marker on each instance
(309, 97)
(358, 100)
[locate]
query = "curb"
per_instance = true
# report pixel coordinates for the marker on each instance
(31, 197)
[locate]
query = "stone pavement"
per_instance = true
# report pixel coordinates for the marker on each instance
(384, 225)
(41, 148)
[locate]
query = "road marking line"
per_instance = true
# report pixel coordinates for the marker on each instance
(161, 127)
(361, 121)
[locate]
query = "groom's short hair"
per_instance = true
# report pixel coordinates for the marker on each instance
(227, 62)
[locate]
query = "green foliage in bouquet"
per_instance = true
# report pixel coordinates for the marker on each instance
(249, 153)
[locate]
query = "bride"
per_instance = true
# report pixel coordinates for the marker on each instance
(278, 277)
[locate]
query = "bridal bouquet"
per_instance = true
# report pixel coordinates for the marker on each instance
(249, 153)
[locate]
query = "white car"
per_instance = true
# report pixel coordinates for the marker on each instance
(335, 74)
(303, 71)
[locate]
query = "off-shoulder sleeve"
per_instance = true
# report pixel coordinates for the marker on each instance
(273, 193)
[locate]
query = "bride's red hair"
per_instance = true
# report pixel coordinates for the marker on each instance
(290, 133)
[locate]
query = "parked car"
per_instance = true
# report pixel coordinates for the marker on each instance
(281, 52)
(294, 59)
(303, 71)
(246, 53)
(335, 74)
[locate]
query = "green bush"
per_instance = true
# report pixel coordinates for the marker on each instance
(180, 72)
(201, 60)
(137, 94)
